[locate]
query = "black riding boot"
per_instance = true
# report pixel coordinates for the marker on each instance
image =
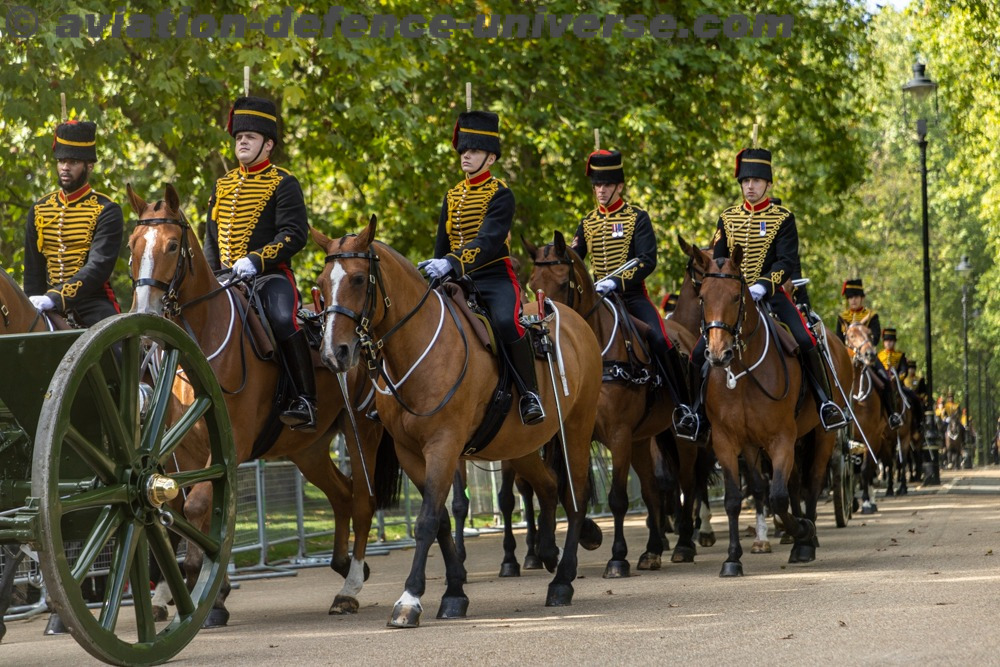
(301, 413)
(890, 400)
(689, 419)
(522, 358)
(830, 415)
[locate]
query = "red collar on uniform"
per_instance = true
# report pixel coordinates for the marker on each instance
(481, 178)
(611, 209)
(759, 206)
(74, 196)
(260, 166)
(857, 310)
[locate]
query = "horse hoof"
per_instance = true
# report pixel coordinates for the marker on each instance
(510, 569)
(902, 491)
(787, 539)
(218, 617)
(559, 595)
(682, 555)
(591, 536)
(344, 604)
(802, 553)
(551, 562)
(160, 613)
(706, 539)
(532, 563)
(808, 529)
(649, 561)
(617, 569)
(453, 606)
(869, 508)
(405, 616)
(55, 626)
(763, 547)
(731, 569)
(889, 492)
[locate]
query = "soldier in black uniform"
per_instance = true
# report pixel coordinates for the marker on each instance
(614, 233)
(73, 235)
(856, 311)
(256, 223)
(770, 243)
(473, 239)
(892, 359)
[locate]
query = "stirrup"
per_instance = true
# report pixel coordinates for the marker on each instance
(530, 407)
(686, 422)
(300, 415)
(895, 420)
(838, 421)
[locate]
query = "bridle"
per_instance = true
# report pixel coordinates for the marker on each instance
(185, 264)
(733, 330)
(693, 271)
(574, 287)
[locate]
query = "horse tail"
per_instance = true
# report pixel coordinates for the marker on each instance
(666, 474)
(388, 474)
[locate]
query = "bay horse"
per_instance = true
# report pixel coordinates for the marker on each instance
(954, 442)
(756, 400)
(372, 293)
(629, 413)
(173, 279)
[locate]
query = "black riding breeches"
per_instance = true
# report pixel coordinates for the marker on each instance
(88, 312)
(638, 304)
(783, 306)
(280, 299)
(500, 289)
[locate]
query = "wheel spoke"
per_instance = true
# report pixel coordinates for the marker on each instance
(186, 529)
(179, 430)
(94, 456)
(192, 477)
(107, 410)
(121, 564)
(128, 394)
(102, 497)
(152, 428)
(105, 526)
(166, 558)
(141, 597)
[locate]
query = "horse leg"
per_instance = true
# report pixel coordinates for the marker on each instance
(758, 489)
(706, 533)
(196, 507)
(579, 428)
(531, 559)
(454, 602)
(727, 456)
(867, 476)
(460, 506)
(621, 454)
(642, 463)
(536, 474)
(505, 498)
(801, 529)
(685, 550)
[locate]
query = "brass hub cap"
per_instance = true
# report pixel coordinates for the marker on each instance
(161, 489)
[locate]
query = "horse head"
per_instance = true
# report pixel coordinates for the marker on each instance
(161, 252)
(859, 339)
(348, 282)
(558, 271)
(724, 297)
(687, 311)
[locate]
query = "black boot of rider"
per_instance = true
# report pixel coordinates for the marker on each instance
(522, 358)
(689, 419)
(890, 400)
(830, 415)
(301, 413)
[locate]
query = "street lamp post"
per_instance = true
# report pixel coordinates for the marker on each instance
(964, 269)
(920, 86)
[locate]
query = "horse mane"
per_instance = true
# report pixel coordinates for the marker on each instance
(586, 278)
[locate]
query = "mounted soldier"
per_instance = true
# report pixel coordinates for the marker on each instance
(894, 363)
(257, 222)
(73, 235)
(473, 240)
(856, 311)
(614, 233)
(770, 242)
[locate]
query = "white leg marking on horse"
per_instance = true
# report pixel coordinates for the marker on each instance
(142, 301)
(761, 527)
(162, 596)
(337, 274)
(408, 600)
(706, 519)
(355, 579)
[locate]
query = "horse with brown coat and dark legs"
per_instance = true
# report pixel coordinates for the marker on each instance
(173, 279)
(435, 382)
(755, 401)
(627, 414)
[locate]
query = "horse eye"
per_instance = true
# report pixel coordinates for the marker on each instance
(358, 280)
(564, 285)
(173, 246)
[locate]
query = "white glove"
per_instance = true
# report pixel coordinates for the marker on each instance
(605, 286)
(435, 268)
(244, 268)
(42, 302)
(758, 292)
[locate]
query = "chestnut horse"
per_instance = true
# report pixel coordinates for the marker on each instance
(18, 315)
(173, 279)
(443, 382)
(756, 401)
(628, 414)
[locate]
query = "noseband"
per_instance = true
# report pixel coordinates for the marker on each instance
(733, 330)
(169, 298)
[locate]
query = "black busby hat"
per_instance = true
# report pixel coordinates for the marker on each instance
(753, 163)
(477, 130)
(75, 140)
(669, 303)
(889, 333)
(853, 287)
(253, 114)
(911, 363)
(605, 167)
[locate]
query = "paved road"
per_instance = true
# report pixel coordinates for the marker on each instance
(916, 583)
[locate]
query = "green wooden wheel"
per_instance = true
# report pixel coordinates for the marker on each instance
(102, 476)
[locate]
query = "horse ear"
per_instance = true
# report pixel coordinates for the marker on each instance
(321, 239)
(529, 247)
(559, 241)
(737, 257)
(137, 203)
(170, 196)
(685, 247)
(366, 237)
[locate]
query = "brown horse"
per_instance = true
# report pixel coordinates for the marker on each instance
(628, 414)
(174, 279)
(18, 315)
(752, 393)
(954, 442)
(372, 293)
